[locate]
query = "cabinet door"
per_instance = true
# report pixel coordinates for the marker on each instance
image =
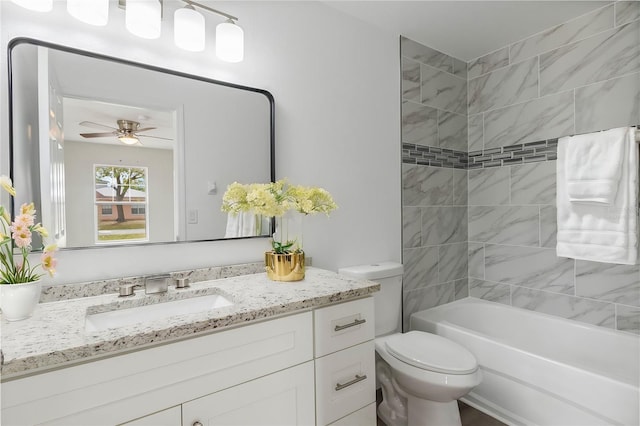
(169, 417)
(279, 399)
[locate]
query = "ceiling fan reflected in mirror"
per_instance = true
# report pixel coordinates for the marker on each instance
(128, 131)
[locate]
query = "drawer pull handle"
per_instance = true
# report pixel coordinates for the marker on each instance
(358, 378)
(351, 324)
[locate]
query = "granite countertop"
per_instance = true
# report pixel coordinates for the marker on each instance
(55, 335)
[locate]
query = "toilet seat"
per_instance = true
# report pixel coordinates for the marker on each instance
(431, 352)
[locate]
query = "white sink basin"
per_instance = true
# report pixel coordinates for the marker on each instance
(128, 316)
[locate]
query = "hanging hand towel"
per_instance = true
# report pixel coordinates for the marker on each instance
(597, 231)
(593, 165)
(241, 224)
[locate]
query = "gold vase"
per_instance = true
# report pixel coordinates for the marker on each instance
(284, 267)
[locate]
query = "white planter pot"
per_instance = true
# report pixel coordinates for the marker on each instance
(18, 301)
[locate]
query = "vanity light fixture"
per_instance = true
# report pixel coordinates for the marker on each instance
(94, 12)
(36, 5)
(144, 18)
(229, 42)
(229, 36)
(188, 29)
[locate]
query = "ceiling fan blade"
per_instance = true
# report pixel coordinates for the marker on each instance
(98, 135)
(96, 125)
(154, 137)
(145, 129)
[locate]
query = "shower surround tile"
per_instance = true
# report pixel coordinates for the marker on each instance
(539, 119)
(488, 63)
(444, 225)
(493, 292)
(476, 132)
(529, 267)
(426, 55)
(548, 226)
(460, 187)
(568, 32)
(443, 90)
(461, 289)
(411, 227)
(426, 186)
(420, 267)
(628, 319)
(574, 308)
(452, 262)
(609, 282)
(459, 68)
(476, 260)
(534, 183)
(410, 80)
(489, 187)
(516, 225)
(507, 86)
(627, 11)
(610, 54)
(452, 131)
(419, 124)
(612, 103)
(425, 298)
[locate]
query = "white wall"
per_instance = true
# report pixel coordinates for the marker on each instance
(335, 81)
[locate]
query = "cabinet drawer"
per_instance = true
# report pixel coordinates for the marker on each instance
(345, 382)
(363, 417)
(340, 326)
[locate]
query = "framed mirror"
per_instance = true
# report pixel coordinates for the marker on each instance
(114, 152)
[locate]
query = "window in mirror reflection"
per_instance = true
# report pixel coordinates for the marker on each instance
(121, 204)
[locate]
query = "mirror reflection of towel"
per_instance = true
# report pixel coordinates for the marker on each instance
(241, 224)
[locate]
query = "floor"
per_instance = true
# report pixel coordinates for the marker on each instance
(470, 417)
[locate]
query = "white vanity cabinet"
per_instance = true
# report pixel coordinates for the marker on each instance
(345, 362)
(264, 373)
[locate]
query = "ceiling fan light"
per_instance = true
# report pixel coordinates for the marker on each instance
(229, 42)
(128, 139)
(144, 18)
(188, 29)
(35, 5)
(93, 12)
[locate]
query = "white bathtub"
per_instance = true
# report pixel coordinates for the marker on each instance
(542, 370)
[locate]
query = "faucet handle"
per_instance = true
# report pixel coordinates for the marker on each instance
(182, 282)
(126, 290)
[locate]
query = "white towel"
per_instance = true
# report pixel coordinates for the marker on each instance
(589, 177)
(596, 231)
(242, 224)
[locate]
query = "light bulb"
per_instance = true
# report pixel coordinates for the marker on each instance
(143, 18)
(188, 29)
(94, 12)
(128, 139)
(36, 5)
(229, 42)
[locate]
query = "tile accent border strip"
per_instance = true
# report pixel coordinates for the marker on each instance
(433, 156)
(530, 152)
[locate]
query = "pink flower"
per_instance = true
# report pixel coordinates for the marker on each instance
(48, 262)
(25, 219)
(21, 234)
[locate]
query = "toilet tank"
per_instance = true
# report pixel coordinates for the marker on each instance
(388, 301)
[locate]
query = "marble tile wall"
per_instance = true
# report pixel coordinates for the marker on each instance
(434, 177)
(581, 76)
(577, 77)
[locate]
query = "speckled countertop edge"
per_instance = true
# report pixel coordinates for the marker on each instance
(55, 335)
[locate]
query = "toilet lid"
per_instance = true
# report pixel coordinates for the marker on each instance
(431, 352)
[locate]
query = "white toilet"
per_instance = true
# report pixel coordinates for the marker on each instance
(421, 374)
